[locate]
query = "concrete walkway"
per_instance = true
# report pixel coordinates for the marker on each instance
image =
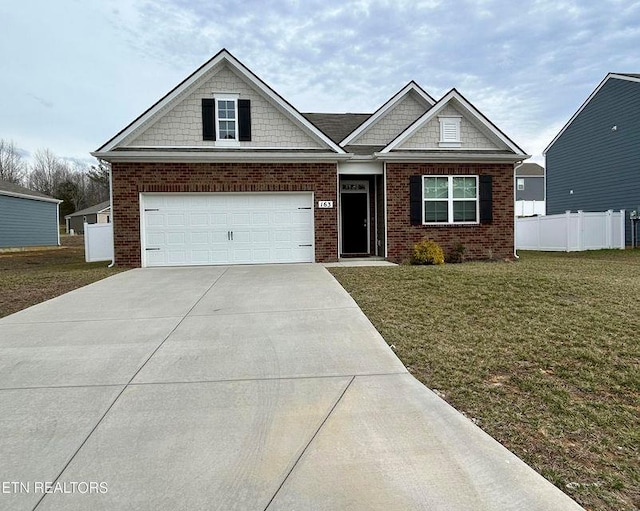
(232, 388)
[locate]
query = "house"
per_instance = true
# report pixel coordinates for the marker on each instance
(530, 190)
(224, 170)
(97, 214)
(593, 163)
(27, 218)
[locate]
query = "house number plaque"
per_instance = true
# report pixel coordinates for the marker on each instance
(325, 204)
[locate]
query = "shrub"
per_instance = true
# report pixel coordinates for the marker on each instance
(427, 252)
(457, 254)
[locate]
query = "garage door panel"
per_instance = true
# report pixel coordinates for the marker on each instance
(187, 229)
(200, 238)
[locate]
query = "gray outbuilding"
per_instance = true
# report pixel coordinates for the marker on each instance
(97, 214)
(27, 218)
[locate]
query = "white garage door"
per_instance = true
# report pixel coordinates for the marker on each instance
(181, 229)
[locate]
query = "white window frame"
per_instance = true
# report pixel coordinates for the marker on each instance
(226, 141)
(450, 200)
(520, 183)
(450, 130)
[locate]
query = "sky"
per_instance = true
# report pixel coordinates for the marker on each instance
(75, 72)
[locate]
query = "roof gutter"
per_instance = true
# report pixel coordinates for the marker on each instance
(26, 196)
(457, 158)
(218, 157)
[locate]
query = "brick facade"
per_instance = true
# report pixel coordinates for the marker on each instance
(486, 241)
(131, 179)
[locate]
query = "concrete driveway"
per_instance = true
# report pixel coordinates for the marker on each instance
(245, 387)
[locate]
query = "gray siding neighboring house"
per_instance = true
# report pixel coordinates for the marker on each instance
(593, 164)
(97, 214)
(27, 218)
(530, 182)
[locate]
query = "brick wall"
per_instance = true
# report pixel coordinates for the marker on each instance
(485, 241)
(131, 179)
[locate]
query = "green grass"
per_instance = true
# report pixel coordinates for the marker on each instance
(33, 276)
(542, 353)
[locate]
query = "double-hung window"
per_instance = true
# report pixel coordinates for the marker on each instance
(226, 118)
(450, 199)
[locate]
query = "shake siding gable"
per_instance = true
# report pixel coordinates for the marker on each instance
(601, 166)
(181, 122)
(429, 135)
(393, 123)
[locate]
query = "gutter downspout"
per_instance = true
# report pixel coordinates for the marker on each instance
(113, 259)
(515, 219)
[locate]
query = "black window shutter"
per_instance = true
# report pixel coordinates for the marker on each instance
(244, 120)
(208, 119)
(486, 207)
(415, 199)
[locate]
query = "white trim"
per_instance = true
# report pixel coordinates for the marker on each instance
(226, 142)
(386, 215)
(207, 146)
(385, 108)
(433, 112)
(451, 199)
(375, 215)
(353, 192)
(26, 196)
(586, 102)
(222, 56)
(217, 156)
(439, 157)
(143, 252)
(58, 224)
(368, 167)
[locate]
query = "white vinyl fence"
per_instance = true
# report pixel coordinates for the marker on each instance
(571, 232)
(98, 242)
(530, 207)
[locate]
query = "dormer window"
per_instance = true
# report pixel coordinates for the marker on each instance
(449, 131)
(226, 119)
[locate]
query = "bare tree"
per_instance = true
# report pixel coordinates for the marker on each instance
(47, 172)
(12, 168)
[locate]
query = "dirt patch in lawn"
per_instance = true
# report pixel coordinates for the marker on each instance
(33, 276)
(543, 354)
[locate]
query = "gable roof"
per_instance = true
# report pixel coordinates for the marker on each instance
(222, 56)
(630, 77)
(92, 210)
(529, 170)
(461, 101)
(386, 107)
(15, 190)
(337, 126)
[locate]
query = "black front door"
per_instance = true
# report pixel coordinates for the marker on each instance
(354, 223)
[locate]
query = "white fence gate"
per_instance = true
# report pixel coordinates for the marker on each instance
(530, 207)
(571, 231)
(98, 242)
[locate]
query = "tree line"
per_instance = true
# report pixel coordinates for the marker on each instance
(77, 185)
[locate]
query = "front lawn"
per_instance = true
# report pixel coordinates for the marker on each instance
(31, 277)
(543, 354)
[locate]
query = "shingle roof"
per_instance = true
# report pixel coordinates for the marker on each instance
(529, 169)
(632, 75)
(6, 186)
(336, 126)
(364, 149)
(92, 210)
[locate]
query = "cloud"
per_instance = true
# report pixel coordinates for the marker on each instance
(44, 102)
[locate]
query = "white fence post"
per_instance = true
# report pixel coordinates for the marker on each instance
(580, 230)
(623, 231)
(567, 231)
